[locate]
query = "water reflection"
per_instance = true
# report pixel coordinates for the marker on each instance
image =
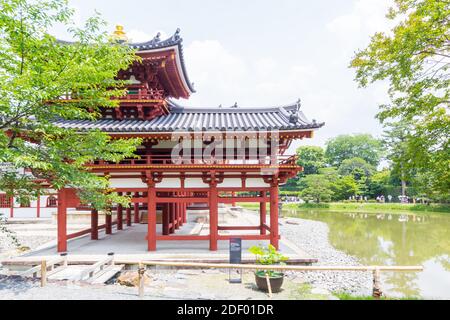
(390, 239)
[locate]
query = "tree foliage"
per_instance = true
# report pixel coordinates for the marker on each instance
(36, 70)
(414, 58)
(353, 146)
(318, 188)
(311, 158)
(358, 168)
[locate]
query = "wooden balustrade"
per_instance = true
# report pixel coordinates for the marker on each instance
(168, 160)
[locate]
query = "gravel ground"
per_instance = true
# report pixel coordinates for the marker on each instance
(17, 288)
(167, 285)
(312, 237)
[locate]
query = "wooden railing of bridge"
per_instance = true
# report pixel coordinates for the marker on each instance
(142, 266)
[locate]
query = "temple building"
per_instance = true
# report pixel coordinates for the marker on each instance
(190, 157)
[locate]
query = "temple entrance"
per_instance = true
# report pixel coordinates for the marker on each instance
(166, 212)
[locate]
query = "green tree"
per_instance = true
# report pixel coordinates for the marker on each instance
(415, 58)
(353, 146)
(345, 187)
(379, 183)
(358, 168)
(36, 70)
(318, 188)
(395, 140)
(311, 158)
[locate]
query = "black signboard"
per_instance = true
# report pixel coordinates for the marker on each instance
(235, 250)
(235, 258)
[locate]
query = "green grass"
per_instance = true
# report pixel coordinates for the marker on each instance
(360, 207)
(373, 207)
(346, 296)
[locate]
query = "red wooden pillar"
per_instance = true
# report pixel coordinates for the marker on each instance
(180, 214)
(62, 221)
(11, 210)
(233, 194)
(128, 213)
(136, 210)
(38, 204)
(94, 224)
(213, 216)
(151, 214)
(172, 217)
(262, 214)
(165, 220)
(176, 210)
(184, 210)
(274, 236)
(108, 223)
(119, 217)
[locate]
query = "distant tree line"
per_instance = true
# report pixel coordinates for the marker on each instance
(349, 168)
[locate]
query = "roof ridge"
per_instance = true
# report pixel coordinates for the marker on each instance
(285, 109)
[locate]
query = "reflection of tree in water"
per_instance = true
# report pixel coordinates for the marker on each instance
(377, 240)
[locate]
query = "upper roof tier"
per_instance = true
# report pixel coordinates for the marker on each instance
(162, 65)
(172, 71)
(187, 119)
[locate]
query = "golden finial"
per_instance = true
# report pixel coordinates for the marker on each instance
(119, 34)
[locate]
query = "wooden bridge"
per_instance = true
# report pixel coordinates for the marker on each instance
(105, 269)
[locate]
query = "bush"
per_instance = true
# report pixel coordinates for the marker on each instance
(313, 205)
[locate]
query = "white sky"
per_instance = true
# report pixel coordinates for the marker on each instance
(266, 53)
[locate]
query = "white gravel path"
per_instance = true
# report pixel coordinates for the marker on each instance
(312, 237)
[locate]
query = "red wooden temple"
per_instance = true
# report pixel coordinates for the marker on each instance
(190, 156)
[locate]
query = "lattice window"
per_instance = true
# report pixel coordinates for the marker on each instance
(52, 202)
(5, 201)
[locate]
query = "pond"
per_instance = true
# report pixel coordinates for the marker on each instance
(394, 239)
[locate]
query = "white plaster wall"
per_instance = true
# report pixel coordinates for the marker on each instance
(256, 183)
(195, 183)
(231, 183)
(127, 183)
(21, 213)
(169, 183)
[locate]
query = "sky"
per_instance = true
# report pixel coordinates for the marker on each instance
(262, 53)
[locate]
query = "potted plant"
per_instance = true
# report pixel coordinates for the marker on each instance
(268, 256)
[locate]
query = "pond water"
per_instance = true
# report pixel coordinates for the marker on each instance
(393, 239)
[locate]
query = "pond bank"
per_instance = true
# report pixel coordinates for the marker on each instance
(394, 208)
(312, 237)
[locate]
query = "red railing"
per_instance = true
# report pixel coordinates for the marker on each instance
(134, 93)
(168, 160)
(143, 95)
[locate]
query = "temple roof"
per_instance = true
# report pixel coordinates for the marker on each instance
(156, 46)
(187, 119)
(172, 43)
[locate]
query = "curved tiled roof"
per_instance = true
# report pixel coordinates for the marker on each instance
(175, 41)
(186, 119)
(156, 44)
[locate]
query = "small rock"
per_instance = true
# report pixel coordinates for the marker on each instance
(131, 279)
(292, 222)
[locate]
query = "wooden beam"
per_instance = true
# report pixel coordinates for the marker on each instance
(181, 238)
(274, 236)
(262, 214)
(238, 228)
(94, 224)
(62, 221)
(119, 217)
(151, 217)
(213, 216)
